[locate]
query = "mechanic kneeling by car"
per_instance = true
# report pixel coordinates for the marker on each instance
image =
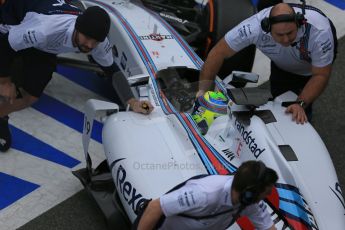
(36, 31)
(213, 201)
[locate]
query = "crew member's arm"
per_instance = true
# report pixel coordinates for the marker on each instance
(244, 34)
(25, 35)
(103, 56)
(311, 91)
(17, 104)
(317, 84)
(7, 88)
(151, 215)
(259, 216)
(322, 56)
(124, 92)
(195, 200)
(213, 64)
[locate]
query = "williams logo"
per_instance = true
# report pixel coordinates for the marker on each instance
(248, 139)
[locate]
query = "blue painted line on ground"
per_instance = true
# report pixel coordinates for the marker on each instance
(338, 3)
(26, 143)
(66, 115)
(90, 81)
(13, 188)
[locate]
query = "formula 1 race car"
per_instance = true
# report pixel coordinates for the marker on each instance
(146, 156)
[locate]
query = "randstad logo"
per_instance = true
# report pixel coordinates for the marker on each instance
(248, 139)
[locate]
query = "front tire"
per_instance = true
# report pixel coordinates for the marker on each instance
(228, 14)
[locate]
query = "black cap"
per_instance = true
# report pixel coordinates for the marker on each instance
(94, 23)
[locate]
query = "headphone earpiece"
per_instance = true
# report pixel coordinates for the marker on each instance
(249, 194)
(300, 19)
(247, 197)
(266, 25)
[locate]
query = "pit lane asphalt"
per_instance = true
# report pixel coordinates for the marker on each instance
(81, 212)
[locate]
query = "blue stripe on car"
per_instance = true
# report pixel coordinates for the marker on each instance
(294, 210)
(290, 195)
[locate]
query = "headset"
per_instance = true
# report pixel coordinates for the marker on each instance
(298, 18)
(249, 194)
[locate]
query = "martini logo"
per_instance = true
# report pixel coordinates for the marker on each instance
(229, 154)
(156, 37)
(249, 139)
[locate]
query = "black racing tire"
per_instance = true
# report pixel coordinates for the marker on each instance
(227, 14)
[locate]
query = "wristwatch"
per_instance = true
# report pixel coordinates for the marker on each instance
(301, 103)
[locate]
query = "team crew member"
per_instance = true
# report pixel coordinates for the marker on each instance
(37, 31)
(299, 40)
(214, 201)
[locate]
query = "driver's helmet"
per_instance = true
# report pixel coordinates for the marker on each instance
(207, 108)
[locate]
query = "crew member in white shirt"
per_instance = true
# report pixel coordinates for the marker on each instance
(301, 43)
(37, 31)
(214, 201)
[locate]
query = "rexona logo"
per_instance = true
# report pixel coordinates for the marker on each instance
(248, 139)
(128, 191)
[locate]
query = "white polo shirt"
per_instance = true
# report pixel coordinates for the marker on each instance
(314, 41)
(206, 196)
(53, 34)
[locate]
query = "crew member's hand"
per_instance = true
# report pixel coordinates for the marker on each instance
(298, 113)
(8, 91)
(200, 93)
(143, 107)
